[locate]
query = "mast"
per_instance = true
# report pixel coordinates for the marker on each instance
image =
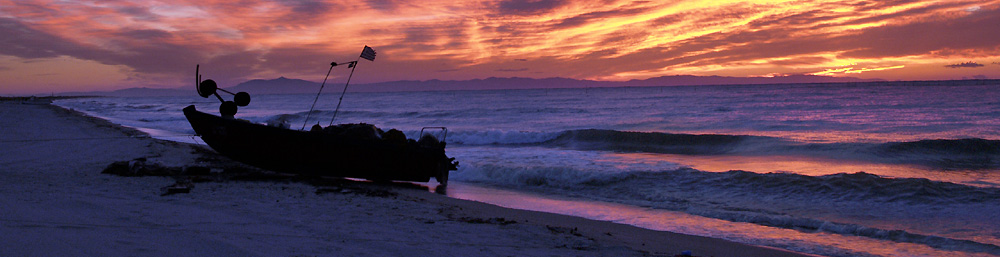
(369, 54)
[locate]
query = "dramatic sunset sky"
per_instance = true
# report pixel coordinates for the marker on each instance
(79, 45)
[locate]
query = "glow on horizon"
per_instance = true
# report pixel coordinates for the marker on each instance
(117, 44)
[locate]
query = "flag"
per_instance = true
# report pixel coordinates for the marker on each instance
(368, 53)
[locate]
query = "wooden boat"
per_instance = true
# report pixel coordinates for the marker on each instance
(321, 153)
(347, 150)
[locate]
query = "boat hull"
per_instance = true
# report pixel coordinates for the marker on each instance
(317, 153)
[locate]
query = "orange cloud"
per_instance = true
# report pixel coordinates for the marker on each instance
(157, 42)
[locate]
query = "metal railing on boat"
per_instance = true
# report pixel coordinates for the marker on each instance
(443, 137)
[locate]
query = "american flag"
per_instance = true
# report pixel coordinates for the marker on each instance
(368, 53)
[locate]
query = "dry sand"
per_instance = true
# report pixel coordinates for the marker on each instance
(56, 202)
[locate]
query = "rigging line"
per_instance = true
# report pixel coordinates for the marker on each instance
(345, 90)
(317, 95)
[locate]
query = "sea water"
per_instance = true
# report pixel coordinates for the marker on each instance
(832, 169)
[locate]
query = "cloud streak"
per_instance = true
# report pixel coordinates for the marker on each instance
(156, 42)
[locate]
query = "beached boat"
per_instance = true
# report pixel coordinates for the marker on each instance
(346, 150)
(355, 151)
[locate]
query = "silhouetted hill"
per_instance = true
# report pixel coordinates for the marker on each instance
(528, 83)
(689, 80)
(481, 84)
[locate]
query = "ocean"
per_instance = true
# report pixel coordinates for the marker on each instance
(830, 169)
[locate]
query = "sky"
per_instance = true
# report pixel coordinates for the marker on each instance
(79, 45)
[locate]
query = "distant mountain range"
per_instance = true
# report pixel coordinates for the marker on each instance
(529, 83)
(284, 85)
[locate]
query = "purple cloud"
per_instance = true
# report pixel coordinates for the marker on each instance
(528, 7)
(965, 65)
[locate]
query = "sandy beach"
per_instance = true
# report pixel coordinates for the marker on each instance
(56, 202)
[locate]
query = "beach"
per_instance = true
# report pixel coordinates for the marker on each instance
(56, 201)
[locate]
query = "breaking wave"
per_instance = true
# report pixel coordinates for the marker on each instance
(944, 154)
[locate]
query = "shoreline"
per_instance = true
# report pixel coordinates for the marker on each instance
(292, 218)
